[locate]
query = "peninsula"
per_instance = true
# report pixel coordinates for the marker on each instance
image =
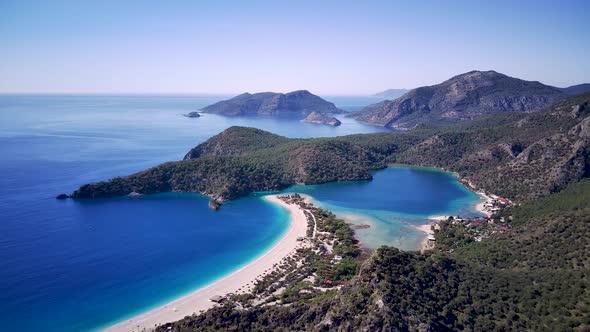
(534, 242)
(515, 155)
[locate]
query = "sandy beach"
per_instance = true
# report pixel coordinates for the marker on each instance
(242, 278)
(425, 245)
(480, 206)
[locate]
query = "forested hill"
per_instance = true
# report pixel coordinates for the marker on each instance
(535, 277)
(520, 156)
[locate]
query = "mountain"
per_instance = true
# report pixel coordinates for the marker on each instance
(517, 155)
(391, 93)
(315, 117)
(463, 97)
(576, 89)
(297, 104)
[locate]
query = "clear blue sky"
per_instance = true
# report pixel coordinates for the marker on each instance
(327, 47)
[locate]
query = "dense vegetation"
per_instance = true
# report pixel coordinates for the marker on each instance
(520, 156)
(534, 278)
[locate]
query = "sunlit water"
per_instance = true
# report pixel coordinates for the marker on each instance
(394, 202)
(82, 265)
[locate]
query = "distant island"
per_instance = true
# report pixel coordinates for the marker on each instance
(319, 118)
(391, 93)
(513, 154)
(464, 97)
(297, 105)
(193, 115)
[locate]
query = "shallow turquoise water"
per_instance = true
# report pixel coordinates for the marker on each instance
(396, 200)
(81, 265)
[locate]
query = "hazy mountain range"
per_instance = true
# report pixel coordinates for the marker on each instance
(391, 93)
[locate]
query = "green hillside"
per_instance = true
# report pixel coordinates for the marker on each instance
(514, 155)
(534, 278)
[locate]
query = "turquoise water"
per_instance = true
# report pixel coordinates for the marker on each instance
(396, 200)
(81, 265)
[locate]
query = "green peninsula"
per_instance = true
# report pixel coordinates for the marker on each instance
(516, 155)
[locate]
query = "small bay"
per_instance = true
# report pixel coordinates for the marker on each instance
(397, 199)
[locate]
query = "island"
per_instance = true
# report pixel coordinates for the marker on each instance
(315, 117)
(192, 115)
(297, 104)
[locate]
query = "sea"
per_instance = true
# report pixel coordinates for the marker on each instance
(70, 265)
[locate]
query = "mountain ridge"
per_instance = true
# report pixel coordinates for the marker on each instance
(576, 89)
(462, 97)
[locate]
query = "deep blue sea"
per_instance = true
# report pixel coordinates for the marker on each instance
(82, 265)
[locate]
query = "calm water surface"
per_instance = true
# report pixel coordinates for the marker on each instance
(396, 200)
(82, 265)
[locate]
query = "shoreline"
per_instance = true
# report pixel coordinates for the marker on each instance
(425, 244)
(480, 207)
(427, 229)
(235, 282)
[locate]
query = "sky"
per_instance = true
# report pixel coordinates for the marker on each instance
(327, 47)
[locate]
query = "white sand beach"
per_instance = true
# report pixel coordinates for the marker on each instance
(480, 206)
(425, 244)
(242, 278)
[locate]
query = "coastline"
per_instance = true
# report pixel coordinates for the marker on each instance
(426, 244)
(236, 282)
(480, 207)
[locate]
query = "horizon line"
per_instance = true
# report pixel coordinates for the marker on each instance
(171, 94)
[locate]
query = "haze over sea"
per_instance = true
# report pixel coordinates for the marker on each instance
(82, 265)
